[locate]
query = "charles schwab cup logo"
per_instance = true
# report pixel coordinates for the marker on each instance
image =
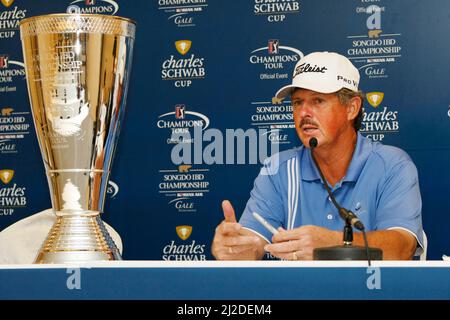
(185, 251)
(276, 60)
(379, 120)
(12, 196)
(181, 12)
(276, 10)
(374, 50)
(14, 126)
(93, 6)
(276, 117)
(9, 19)
(184, 186)
(11, 71)
(183, 69)
(181, 121)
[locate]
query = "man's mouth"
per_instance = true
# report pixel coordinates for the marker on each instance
(308, 128)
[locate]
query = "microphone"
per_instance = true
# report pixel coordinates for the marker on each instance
(347, 251)
(345, 214)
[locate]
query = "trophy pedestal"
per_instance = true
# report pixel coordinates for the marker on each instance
(78, 239)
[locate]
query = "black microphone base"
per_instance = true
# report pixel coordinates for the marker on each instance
(347, 253)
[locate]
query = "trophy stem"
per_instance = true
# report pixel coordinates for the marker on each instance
(78, 238)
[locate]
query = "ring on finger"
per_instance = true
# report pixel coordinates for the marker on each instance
(294, 255)
(230, 250)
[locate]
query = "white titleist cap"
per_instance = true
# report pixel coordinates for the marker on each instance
(323, 72)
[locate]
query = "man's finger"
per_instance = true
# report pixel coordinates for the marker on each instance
(228, 211)
(283, 247)
(240, 240)
(229, 227)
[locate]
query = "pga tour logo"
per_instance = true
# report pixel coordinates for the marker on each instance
(9, 69)
(275, 57)
(93, 6)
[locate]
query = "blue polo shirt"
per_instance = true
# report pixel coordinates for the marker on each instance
(381, 187)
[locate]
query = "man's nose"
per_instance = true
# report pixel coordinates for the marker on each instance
(305, 110)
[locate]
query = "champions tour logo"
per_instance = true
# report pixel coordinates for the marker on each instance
(93, 6)
(184, 68)
(275, 57)
(184, 252)
(181, 121)
(371, 52)
(10, 70)
(12, 196)
(182, 12)
(9, 19)
(276, 10)
(378, 120)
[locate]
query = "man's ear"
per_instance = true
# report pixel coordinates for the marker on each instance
(353, 107)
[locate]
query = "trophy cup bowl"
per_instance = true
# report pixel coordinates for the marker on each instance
(77, 68)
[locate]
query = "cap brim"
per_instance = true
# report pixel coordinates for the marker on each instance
(287, 90)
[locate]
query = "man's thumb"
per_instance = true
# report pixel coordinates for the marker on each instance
(228, 211)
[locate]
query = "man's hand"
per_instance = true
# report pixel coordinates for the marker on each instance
(299, 243)
(232, 242)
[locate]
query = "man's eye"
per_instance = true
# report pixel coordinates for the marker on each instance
(318, 100)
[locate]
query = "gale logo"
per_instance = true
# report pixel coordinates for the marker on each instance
(184, 232)
(93, 6)
(375, 98)
(182, 12)
(6, 175)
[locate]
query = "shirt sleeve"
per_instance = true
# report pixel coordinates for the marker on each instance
(266, 200)
(400, 203)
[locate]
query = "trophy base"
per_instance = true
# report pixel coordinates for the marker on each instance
(78, 238)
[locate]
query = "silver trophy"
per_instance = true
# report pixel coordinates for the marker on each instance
(77, 67)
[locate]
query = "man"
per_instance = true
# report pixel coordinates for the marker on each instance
(20, 242)
(379, 183)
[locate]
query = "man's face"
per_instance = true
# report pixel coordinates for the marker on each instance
(319, 115)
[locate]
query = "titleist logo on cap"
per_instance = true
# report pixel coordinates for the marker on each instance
(303, 68)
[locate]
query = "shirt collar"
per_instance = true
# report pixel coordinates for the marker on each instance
(309, 171)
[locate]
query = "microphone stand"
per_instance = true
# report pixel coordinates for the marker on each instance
(347, 251)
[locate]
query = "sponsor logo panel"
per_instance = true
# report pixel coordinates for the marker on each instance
(12, 72)
(380, 120)
(10, 17)
(184, 249)
(275, 61)
(276, 117)
(14, 127)
(184, 67)
(276, 11)
(374, 48)
(93, 6)
(12, 195)
(183, 13)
